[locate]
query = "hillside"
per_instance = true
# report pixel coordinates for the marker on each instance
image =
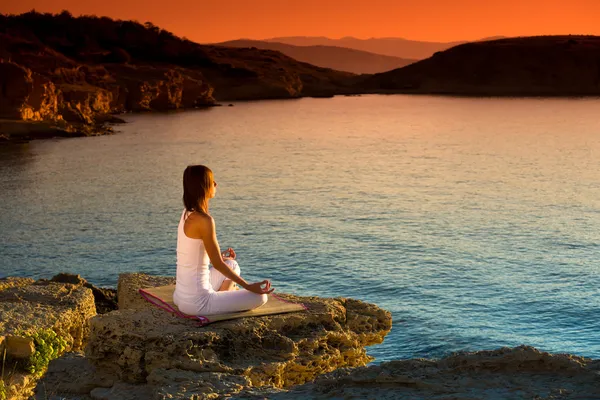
(70, 73)
(542, 65)
(394, 47)
(338, 58)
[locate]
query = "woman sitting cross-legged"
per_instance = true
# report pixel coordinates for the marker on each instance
(200, 290)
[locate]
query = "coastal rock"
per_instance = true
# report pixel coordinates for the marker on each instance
(16, 87)
(196, 92)
(33, 106)
(71, 374)
(64, 308)
(141, 344)
(27, 95)
(522, 372)
(39, 101)
(174, 384)
(11, 282)
(178, 384)
(28, 307)
(22, 131)
(17, 346)
(105, 299)
(129, 284)
(157, 88)
(123, 391)
(83, 103)
(144, 352)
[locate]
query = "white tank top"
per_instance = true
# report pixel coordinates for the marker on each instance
(193, 277)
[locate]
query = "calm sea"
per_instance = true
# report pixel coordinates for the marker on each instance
(476, 222)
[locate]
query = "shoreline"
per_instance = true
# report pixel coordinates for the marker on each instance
(106, 295)
(136, 350)
(18, 131)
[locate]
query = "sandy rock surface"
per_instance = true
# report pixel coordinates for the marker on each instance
(10, 282)
(129, 284)
(65, 308)
(104, 298)
(144, 347)
(27, 307)
(72, 374)
(508, 373)
(146, 353)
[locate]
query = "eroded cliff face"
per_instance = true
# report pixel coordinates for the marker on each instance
(27, 96)
(157, 88)
(72, 72)
(32, 105)
(80, 100)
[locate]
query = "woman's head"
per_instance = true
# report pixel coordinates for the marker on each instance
(198, 187)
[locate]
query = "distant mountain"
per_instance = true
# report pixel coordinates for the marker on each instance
(541, 65)
(338, 58)
(393, 47)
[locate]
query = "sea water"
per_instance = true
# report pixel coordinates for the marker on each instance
(475, 221)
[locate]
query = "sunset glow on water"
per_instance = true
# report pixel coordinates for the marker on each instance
(475, 221)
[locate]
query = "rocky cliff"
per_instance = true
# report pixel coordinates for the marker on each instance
(65, 76)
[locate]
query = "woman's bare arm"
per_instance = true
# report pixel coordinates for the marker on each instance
(203, 227)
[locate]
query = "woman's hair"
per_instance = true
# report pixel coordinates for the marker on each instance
(197, 182)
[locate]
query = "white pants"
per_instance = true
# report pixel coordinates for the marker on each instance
(231, 300)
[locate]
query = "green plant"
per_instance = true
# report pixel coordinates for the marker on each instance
(48, 346)
(2, 389)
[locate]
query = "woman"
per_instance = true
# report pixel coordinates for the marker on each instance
(198, 289)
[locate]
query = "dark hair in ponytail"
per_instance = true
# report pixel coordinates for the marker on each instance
(197, 182)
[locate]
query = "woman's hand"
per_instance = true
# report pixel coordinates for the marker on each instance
(263, 287)
(228, 254)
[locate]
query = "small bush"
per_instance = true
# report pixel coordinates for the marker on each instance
(48, 346)
(3, 394)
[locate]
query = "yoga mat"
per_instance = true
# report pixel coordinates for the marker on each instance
(162, 297)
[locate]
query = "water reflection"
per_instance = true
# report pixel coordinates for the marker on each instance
(473, 220)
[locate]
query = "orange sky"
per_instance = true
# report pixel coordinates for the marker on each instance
(429, 20)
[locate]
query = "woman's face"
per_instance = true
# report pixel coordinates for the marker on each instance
(213, 189)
